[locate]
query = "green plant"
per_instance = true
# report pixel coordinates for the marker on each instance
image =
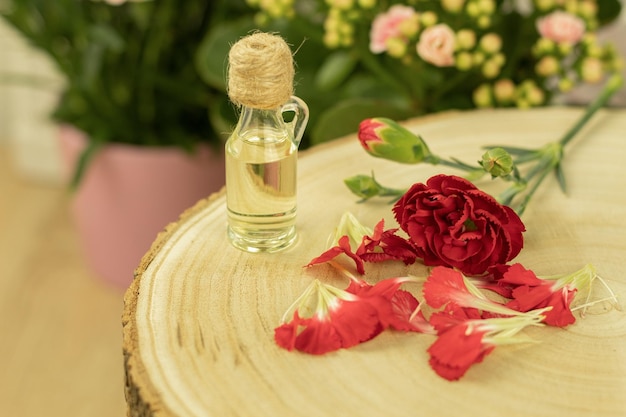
(362, 58)
(128, 67)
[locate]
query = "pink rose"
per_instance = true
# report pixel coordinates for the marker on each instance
(436, 45)
(387, 25)
(560, 26)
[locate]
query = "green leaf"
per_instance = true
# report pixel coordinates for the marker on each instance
(366, 187)
(223, 117)
(335, 70)
(608, 10)
(344, 117)
(106, 36)
(83, 161)
(92, 64)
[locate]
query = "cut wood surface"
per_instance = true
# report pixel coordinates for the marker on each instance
(200, 316)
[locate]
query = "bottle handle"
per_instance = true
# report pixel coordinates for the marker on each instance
(301, 117)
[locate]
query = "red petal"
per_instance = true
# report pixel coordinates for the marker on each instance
(561, 314)
(385, 288)
(285, 335)
(453, 315)
(403, 305)
(444, 285)
(355, 322)
(343, 246)
(455, 351)
(318, 337)
(347, 324)
(530, 298)
(516, 274)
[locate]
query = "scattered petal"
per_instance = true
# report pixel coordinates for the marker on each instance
(343, 247)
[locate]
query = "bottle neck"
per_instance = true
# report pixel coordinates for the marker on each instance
(260, 124)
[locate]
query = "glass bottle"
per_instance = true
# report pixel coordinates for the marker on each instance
(261, 171)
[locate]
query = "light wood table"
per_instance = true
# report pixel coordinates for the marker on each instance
(60, 332)
(199, 317)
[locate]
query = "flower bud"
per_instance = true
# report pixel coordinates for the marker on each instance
(591, 70)
(522, 103)
(547, 66)
(346, 29)
(528, 94)
(536, 96)
(565, 48)
(342, 4)
(487, 6)
(504, 91)
(594, 50)
(571, 6)
(482, 96)
(499, 58)
(428, 18)
(497, 162)
(465, 39)
(367, 4)
(544, 46)
(588, 9)
(544, 4)
(384, 138)
(589, 38)
(484, 21)
(396, 47)
(565, 85)
(453, 6)
(473, 9)
(491, 43)
(410, 26)
(478, 58)
(464, 61)
(491, 69)
(332, 39)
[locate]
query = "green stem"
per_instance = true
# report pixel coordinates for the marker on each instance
(435, 160)
(522, 205)
(611, 87)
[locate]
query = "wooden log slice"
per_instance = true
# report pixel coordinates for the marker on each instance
(200, 316)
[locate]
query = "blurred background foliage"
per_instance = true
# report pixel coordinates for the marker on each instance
(154, 72)
(344, 83)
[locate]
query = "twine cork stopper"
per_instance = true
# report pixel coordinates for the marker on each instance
(261, 71)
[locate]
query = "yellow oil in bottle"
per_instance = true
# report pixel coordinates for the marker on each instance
(261, 189)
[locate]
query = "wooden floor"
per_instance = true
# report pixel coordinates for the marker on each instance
(60, 328)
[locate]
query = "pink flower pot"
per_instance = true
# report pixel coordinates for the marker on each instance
(129, 194)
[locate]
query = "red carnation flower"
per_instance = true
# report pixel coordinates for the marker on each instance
(452, 223)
